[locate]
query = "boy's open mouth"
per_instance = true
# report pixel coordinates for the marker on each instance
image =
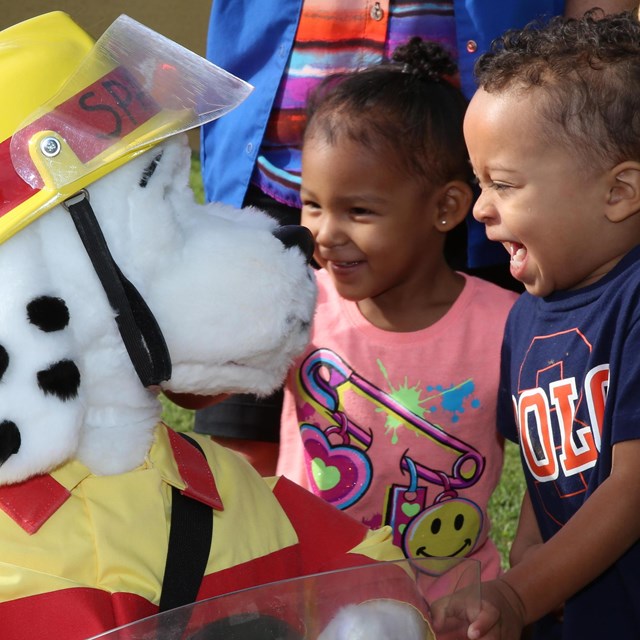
(517, 251)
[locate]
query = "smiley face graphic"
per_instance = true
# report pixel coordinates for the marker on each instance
(447, 529)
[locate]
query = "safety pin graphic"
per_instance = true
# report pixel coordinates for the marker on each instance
(468, 465)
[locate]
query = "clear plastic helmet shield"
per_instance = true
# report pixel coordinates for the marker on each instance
(132, 90)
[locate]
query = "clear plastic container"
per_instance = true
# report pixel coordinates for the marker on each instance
(380, 601)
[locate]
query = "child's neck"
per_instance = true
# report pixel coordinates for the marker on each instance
(404, 311)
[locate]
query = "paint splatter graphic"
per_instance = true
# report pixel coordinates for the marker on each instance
(408, 396)
(451, 399)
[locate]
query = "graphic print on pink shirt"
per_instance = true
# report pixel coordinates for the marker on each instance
(341, 453)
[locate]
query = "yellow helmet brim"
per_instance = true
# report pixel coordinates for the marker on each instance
(102, 104)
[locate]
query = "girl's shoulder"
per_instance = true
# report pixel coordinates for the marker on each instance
(488, 294)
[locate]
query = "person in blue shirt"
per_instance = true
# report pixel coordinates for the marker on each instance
(257, 40)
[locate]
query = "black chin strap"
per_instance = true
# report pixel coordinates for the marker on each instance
(140, 332)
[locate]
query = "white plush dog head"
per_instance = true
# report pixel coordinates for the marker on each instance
(233, 302)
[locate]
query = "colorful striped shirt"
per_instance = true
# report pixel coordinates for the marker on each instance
(335, 36)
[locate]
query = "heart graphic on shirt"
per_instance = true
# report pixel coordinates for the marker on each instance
(325, 477)
(341, 474)
(410, 510)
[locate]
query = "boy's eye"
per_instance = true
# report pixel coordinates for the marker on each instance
(495, 186)
(360, 211)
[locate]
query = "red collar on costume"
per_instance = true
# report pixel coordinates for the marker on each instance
(32, 502)
(194, 471)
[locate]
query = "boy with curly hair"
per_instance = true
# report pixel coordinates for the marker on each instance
(554, 140)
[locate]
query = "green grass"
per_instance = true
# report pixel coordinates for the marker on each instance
(196, 178)
(504, 505)
(176, 417)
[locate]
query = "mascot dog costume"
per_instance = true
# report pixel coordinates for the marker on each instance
(115, 285)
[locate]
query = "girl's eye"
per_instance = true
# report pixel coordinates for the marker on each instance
(361, 211)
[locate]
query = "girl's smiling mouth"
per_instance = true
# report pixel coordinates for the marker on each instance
(345, 265)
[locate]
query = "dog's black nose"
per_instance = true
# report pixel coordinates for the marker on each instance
(294, 235)
(9, 439)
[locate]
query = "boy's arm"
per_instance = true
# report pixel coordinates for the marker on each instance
(577, 8)
(528, 533)
(606, 525)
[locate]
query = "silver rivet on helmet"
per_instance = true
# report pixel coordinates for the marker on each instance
(50, 147)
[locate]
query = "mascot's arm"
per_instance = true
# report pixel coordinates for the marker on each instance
(333, 539)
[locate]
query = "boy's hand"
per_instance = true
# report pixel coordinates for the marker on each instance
(500, 614)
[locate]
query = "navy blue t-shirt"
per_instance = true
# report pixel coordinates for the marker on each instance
(570, 389)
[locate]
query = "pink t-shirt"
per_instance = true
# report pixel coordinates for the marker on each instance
(400, 428)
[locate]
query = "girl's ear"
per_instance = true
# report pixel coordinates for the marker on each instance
(453, 205)
(623, 199)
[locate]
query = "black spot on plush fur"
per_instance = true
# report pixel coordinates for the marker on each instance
(9, 439)
(48, 313)
(61, 379)
(4, 361)
(149, 170)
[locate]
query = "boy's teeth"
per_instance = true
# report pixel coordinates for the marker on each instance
(518, 252)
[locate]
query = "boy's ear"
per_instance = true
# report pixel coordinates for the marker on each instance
(624, 192)
(453, 205)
